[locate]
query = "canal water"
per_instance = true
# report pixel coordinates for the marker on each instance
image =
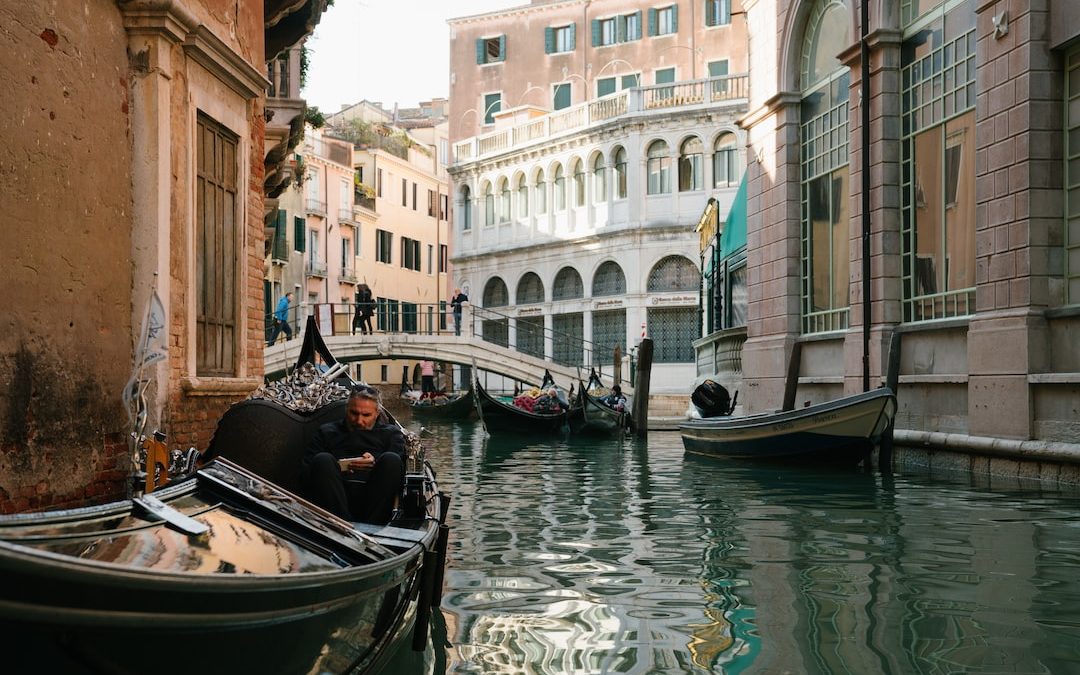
(631, 557)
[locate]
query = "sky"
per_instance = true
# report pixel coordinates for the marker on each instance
(391, 51)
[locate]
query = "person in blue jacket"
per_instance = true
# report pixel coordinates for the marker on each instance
(281, 319)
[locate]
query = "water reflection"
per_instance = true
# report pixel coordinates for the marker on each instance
(626, 557)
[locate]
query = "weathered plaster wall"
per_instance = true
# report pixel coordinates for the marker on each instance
(65, 342)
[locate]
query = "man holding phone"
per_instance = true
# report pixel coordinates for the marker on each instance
(354, 446)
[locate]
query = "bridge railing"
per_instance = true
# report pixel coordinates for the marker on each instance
(527, 334)
(530, 335)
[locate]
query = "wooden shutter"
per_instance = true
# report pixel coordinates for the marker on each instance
(549, 40)
(674, 18)
(502, 47)
(652, 21)
(710, 13)
(481, 50)
(596, 32)
(620, 28)
(573, 36)
(216, 243)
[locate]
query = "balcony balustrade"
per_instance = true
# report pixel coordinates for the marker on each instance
(729, 90)
(315, 207)
(316, 268)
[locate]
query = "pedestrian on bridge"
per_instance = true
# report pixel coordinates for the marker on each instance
(365, 308)
(455, 303)
(281, 320)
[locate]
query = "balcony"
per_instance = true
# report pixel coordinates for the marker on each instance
(315, 207)
(348, 276)
(345, 215)
(727, 91)
(316, 268)
(365, 202)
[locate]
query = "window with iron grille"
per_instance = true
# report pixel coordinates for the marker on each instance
(216, 245)
(530, 289)
(823, 138)
(608, 280)
(937, 231)
(496, 331)
(567, 285)
(495, 294)
(568, 331)
(609, 332)
(673, 331)
(672, 274)
(530, 335)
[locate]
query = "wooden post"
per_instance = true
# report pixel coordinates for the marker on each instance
(640, 415)
(791, 383)
(617, 371)
(892, 381)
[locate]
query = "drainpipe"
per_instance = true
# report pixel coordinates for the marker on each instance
(864, 88)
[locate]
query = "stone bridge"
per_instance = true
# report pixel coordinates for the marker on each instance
(463, 350)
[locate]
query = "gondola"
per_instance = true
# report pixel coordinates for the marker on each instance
(458, 406)
(505, 418)
(226, 570)
(836, 433)
(589, 416)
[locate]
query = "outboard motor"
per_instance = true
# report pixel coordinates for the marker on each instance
(712, 399)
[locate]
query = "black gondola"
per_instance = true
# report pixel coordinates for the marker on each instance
(500, 417)
(591, 416)
(458, 406)
(245, 574)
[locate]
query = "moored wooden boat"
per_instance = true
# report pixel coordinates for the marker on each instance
(223, 572)
(500, 417)
(226, 571)
(458, 406)
(589, 415)
(842, 431)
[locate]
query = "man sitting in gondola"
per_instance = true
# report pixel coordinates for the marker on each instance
(342, 452)
(615, 400)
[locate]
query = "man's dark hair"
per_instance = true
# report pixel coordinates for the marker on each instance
(365, 391)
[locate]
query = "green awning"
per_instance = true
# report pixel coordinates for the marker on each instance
(733, 239)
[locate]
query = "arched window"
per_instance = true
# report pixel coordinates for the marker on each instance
(504, 201)
(541, 193)
(559, 182)
(823, 136)
(690, 168)
(608, 280)
(495, 294)
(659, 168)
(530, 289)
(579, 183)
(725, 161)
(673, 273)
(489, 205)
(673, 329)
(522, 197)
(466, 208)
(567, 285)
(493, 328)
(599, 172)
(620, 173)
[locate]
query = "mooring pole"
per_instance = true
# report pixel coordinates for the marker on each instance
(892, 381)
(640, 415)
(791, 382)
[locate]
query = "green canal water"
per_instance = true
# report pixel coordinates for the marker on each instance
(630, 557)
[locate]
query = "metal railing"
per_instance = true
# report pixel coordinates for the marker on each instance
(316, 268)
(315, 206)
(489, 325)
(628, 103)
